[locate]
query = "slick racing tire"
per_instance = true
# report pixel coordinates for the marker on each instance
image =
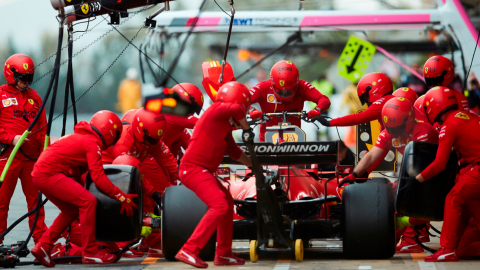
(369, 223)
(182, 211)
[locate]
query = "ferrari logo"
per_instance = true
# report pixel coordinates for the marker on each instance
(426, 69)
(25, 66)
(401, 98)
(85, 8)
(185, 93)
(405, 89)
(160, 132)
(288, 62)
(385, 119)
(462, 116)
(282, 83)
(30, 101)
(201, 98)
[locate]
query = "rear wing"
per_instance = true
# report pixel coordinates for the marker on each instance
(292, 153)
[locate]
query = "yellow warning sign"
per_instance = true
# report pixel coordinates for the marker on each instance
(355, 58)
(367, 135)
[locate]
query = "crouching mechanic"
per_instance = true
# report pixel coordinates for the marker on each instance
(211, 139)
(461, 130)
(142, 139)
(19, 105)
(52, 175)
(285, 92)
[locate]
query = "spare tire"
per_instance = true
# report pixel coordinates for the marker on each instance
(181, 213)
(111, 226)
(427, 200)
(369, 221)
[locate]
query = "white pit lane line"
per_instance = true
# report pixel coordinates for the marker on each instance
(427, 265)
(282, 266)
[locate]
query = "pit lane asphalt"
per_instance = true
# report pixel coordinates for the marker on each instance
(324, 255)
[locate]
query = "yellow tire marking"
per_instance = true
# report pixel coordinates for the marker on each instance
(150, 260)
(418, 256)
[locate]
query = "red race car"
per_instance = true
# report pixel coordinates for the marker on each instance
(284, 201)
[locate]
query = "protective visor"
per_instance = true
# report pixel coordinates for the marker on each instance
(285, 93)
(148, 139)
(365, 96)
(26, 78)
(398, 130)
(117, 137)
(436, 81)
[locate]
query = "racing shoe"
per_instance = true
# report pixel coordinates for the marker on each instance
(41, 252)
(424, 237)
(443, 255)
(228, 260)
(133, 253)
(155, 253)
(408, 245)
(190, 258)
(101, 257)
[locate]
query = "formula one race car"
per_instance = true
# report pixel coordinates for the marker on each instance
(284, 201)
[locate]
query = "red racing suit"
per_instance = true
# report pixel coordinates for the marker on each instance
(373, 112)
(263, 94)
(421, 132)
(460, 130)
(52, 175)
(211, 140)
(176, 135)
(128, 145)
(17, 110)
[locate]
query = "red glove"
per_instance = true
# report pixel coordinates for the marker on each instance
(314, 113)
(255, 114)
(173, 179)
(348, 179)
(127, 203)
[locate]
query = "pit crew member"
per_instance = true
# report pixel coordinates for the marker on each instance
(374, 89)
(285, 92)
(211, 139)
(461, 130)
(20, 105)
(53, 176)
(401, 127)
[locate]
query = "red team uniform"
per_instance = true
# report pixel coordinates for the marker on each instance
(460, 130)
(53, 176)
(285, 92)
(17, 109)
(211, 140)
(263, 94)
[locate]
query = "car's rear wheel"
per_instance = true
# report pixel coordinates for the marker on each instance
(182, 211)
(369, 221)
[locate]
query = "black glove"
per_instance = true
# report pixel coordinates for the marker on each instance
(322, 120)
(248, 135)
(157, 197)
